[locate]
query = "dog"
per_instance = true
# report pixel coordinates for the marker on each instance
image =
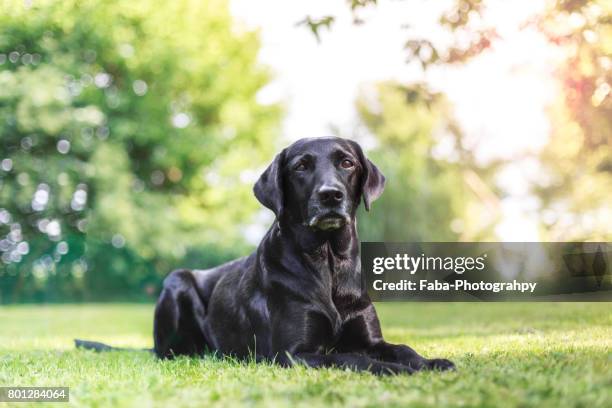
(299, 298)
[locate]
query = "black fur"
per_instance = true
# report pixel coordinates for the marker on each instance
(299, 296)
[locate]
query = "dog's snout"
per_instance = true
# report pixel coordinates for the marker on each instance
(330, 195)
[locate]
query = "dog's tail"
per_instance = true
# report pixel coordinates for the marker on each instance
(98, 347)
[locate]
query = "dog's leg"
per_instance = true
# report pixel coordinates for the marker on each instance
(179, 317)
(363, 334)
(353, 361)
(402, 354)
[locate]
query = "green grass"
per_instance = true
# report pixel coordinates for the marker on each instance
(508, 354)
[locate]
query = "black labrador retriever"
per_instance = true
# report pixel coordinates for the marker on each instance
(299, 297)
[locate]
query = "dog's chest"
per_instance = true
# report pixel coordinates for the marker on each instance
(338, 280)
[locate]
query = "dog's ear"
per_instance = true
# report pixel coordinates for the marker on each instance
(372, 180)
(269, 188)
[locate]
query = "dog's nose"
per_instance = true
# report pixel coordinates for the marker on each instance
(330, 195)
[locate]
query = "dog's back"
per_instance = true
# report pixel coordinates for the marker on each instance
(183, 333)
(206, 279)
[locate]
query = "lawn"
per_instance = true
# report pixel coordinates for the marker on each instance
(507, 354)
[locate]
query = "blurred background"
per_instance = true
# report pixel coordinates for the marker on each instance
(132, 132)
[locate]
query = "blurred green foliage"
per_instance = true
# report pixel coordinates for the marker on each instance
(577, 192)
(125, 130)
(130, 136)
(574, 188)
(428, 196)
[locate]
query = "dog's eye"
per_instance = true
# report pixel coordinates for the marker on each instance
(347, 164)
(301, 166)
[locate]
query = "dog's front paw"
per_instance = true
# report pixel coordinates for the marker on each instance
(441, 364)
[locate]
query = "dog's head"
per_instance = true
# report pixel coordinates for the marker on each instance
(319, 182)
